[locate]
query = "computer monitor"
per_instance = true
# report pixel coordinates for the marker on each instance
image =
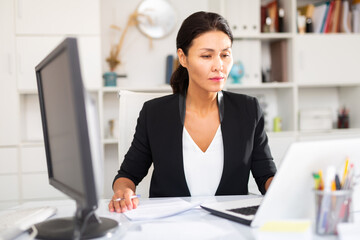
(72, 144)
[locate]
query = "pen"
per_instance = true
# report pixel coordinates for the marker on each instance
(316, 180)
(326, 200)
(321, 184)
(349, 178)
(345, 171)
(337, 182)
(132, 197)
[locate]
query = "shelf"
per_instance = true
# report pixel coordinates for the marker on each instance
(321, 85)
(265, 36)
(160, 88)
(28, 91)
(8, 146)
(260, 86)
(35, 91)
(32, 144)
(343, 35)
(281, 134)
(333, 132)
(315, 133)
(110, 141)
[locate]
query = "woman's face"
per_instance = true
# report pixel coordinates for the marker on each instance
(209, 61)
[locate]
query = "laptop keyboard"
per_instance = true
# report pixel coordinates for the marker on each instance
(245, 210)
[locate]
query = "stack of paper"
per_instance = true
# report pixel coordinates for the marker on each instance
(154, 209)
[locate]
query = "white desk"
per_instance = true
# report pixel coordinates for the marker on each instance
(194, 224)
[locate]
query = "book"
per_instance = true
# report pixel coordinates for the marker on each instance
(345, 19)
(328, 17)
(335, 17)
(169, 68)
(278, 52)
(319, 16)
(356, 16)
(325, 17)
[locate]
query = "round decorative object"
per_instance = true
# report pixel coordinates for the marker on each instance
(237, 72)
(156, 18)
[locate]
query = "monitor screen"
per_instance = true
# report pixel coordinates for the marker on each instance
(71, 137)
(63, 141)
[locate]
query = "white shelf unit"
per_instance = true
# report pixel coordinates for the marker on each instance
(318, 74)
(322, 72)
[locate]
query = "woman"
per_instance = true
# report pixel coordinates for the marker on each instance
(201, 140)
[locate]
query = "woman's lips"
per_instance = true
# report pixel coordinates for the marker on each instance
(217, 79)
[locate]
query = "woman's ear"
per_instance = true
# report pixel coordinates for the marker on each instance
(182, 57)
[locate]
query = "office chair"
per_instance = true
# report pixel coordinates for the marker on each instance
(129, 108)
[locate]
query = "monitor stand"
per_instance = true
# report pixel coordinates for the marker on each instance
(84, 221)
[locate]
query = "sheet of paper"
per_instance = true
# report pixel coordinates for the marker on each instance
(154, 209)
(180, 230)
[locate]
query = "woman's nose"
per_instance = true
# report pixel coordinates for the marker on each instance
(217, 64)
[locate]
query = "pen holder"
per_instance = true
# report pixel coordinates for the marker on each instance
(332, 207)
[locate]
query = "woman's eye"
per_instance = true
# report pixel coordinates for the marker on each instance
(206, 56)
(226, 55)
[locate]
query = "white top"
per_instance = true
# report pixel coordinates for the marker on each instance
(203, 170)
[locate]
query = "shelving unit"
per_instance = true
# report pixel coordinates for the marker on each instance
(319, 75)
(27, 40)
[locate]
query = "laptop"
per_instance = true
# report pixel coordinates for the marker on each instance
(290, 194)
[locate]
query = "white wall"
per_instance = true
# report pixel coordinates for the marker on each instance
(143, 66)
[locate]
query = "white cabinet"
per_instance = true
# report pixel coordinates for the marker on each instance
(30, 125)
(44, 17)
(90, 61)
(8, 160)
(9, 188)
(36, 186)
(9, 177)
(30, 29)
(33, 159)
(324, 59)
(32, 49)
(8, 94)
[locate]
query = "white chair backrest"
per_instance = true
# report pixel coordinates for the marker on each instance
(129, 108)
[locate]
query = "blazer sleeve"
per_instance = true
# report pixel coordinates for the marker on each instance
(262, 164)
(138, 159)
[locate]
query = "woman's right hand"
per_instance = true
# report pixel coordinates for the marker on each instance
(121, 200)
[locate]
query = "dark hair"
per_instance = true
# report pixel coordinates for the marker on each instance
(194, 25)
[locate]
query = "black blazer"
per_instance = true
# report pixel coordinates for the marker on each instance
(158, 140)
